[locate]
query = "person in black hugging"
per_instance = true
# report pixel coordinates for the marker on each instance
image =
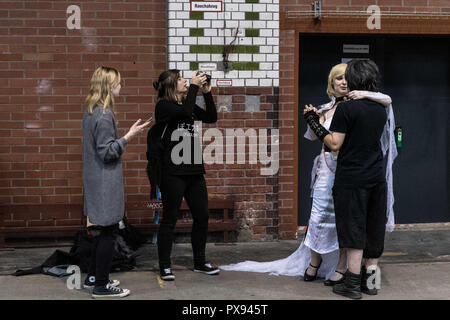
(182, 163)
(359, 191)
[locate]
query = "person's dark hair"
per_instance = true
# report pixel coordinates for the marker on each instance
(166, 84)
(362, 74)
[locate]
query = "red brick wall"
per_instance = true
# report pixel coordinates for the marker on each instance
(255, 196)
(287, 176)
(45, 72)
(44, 77)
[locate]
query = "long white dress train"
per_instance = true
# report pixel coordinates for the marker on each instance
(321, 234)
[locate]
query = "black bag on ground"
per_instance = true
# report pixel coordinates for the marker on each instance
(124, 256)
(132, 236)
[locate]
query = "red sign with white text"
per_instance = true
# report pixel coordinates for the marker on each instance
(224, 82)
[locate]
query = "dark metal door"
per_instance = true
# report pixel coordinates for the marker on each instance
(416, 74)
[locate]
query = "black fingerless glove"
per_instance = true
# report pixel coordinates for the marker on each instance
(313, 121)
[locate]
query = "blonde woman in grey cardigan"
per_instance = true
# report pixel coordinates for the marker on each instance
(104, 199)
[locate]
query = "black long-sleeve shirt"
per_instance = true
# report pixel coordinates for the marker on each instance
(181, 123)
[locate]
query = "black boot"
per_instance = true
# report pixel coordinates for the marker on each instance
(351, 288)
(364, 278)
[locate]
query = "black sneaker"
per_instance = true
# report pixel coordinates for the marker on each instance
(109, 291)
(167, 275)
(207, 268)
(89, 283)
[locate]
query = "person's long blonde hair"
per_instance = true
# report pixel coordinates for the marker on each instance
(102, 82)
(335, 72)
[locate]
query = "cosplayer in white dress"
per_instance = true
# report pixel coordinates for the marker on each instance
(321, 235)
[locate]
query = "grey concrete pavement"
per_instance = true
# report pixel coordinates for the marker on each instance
(415, 266)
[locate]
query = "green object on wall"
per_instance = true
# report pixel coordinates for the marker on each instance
(251, 1)
(246, 49)
(245, 65)
(251, 66)
(398, 134)
(252, 32)
(196, 15)
(193, 65)
(219, 49)
(196, 32)
(252, 16)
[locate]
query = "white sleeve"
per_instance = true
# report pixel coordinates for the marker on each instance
(389, 146)
(378, 97)
(309, 134)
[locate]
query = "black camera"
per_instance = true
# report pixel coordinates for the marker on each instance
(208, 77)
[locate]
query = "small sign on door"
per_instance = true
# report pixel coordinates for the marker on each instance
(356, 48)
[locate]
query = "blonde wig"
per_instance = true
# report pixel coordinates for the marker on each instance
(336, 71)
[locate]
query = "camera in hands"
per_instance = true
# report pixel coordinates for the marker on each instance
(208, 77)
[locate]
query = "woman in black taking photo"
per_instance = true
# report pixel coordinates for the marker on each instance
(182, 163)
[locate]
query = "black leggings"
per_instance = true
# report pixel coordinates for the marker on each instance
(193, 188)
(102, 253)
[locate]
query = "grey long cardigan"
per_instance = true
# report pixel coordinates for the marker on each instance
(104, 199)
